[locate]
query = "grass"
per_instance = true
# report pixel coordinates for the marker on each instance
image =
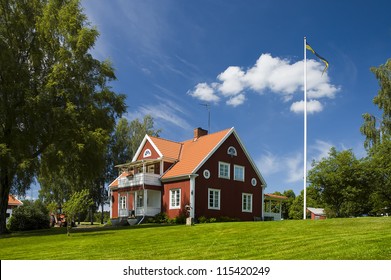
(335, 239)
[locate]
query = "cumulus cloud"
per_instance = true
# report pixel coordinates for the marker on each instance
(205, 92)
(236, 100)
(269, 74)
(313, 106)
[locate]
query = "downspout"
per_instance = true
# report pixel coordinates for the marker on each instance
(263, 203)
(142, 219)
(192, 194)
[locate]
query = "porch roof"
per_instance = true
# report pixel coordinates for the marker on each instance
(138, 163)
(275, 197)
(317, 211)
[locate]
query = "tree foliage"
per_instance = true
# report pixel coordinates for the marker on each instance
(29, 216)
(80, 201)
(313, 199)
(343, 181)
(55, 104)
(126, 140)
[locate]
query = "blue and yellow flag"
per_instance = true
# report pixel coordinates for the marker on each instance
(308, 47)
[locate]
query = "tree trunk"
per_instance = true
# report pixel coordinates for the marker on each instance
(91, 216)
(4, 192)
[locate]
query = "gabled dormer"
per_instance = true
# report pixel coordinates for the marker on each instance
(151, 160)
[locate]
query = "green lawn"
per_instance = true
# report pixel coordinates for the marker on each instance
(339, 239)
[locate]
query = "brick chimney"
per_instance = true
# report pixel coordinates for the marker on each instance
(198, 132)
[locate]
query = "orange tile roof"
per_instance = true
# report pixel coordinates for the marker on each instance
(169, 149)
(194, 152)
(14, 201)
(115, 182)
(278, 197)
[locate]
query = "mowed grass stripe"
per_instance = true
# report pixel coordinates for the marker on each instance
(356, 238)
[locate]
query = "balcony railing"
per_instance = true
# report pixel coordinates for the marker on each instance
(140, 179)
(140, 211)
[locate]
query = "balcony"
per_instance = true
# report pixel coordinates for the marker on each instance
(140, 179)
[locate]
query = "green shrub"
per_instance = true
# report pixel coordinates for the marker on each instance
(29, 216)
(161, 218)
(202, 219)
(181, 219)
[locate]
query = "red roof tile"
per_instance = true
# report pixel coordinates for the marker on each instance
(169, 149)
(14, 201)
(194, 152)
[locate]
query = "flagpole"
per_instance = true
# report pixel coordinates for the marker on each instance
(305, 131)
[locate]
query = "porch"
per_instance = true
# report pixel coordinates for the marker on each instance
(139, 203)
(273, 207)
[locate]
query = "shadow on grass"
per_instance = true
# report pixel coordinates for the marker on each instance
(75, 230)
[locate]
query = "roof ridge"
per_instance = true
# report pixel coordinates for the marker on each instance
(209, 134)
(168, 140)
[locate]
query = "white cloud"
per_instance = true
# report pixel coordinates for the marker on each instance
(313, 106)
(204, 92)
(270, 74)
(236, 100)
(165, 111)
(289, 167)
(232, 81)
(294, 167)
(268, 164)
(320, 149)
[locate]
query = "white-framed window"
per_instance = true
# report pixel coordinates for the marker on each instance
(247, 202)
(239, 173)
(147, 153)
(224, 170)
(214, 199)
(122, 202)
(175, 198)
(206, 174)
(232, 151)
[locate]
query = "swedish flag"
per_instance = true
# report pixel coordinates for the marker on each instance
(308, 47)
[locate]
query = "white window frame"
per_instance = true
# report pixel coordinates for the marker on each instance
(221, 163)
(239, 167)
(175, 198)
(232, 151)
(122, 202)
(247, 202)
(214, 193)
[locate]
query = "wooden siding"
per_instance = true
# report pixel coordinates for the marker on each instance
(231, 190)
(184, 186)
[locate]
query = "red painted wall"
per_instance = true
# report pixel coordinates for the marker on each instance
(154, 154)
(114, 201)
(185, 198)
(231, 190)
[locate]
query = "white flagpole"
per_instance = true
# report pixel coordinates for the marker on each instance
(305, 131)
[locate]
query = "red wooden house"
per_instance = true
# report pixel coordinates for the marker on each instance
(210, 175)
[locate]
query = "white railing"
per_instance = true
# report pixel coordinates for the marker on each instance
(276, 216)
(123, 212)
(140, 179)
(150, 211)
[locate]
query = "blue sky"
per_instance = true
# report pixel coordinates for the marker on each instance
(245, 59)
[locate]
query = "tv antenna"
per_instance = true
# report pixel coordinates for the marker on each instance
(207, 105)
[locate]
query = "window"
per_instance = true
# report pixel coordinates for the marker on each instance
(214, 199)
(232, 151)
(147, 153)
(223, 170)
(206, 174)
(239, 173)
(175, 199)
(247, 202)
(122, 202)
